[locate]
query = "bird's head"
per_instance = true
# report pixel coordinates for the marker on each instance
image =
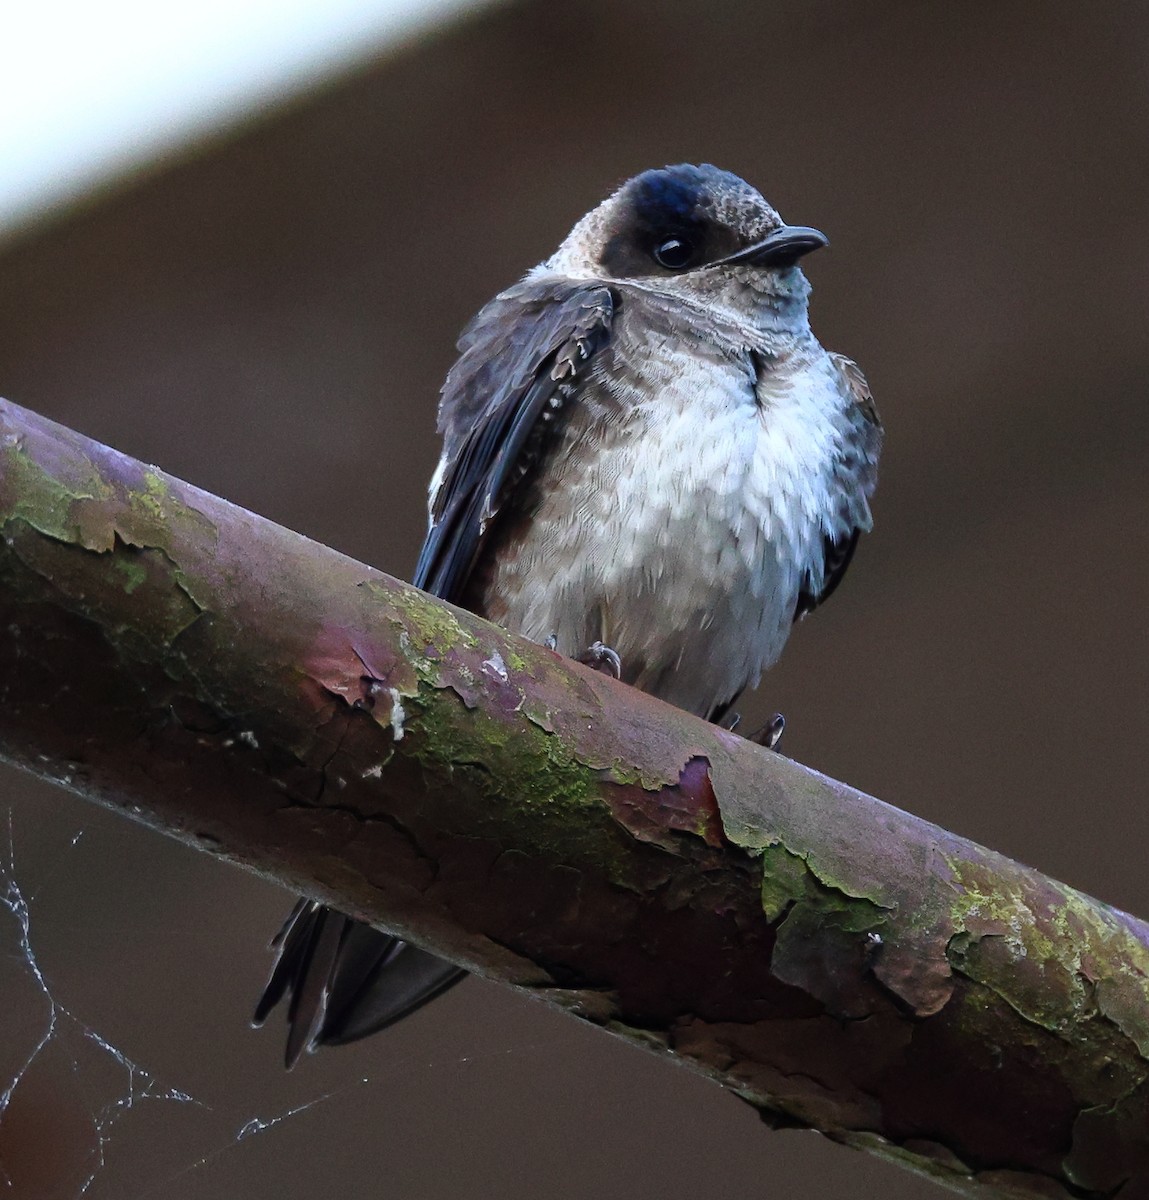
(697, 233)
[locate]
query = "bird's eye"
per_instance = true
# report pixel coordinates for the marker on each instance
(674, 254)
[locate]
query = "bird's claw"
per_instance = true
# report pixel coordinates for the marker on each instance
(601, 658)
(771, 733)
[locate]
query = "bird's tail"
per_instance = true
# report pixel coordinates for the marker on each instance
(345, 980)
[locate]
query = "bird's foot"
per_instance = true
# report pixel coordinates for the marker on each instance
(730, 721)
(771, 733)
(601, 658)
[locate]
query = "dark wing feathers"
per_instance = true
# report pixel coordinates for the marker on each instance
(857, 465)
(378, 980)
(837, 553)
(522, 359)
(329, 966)
(520, 364)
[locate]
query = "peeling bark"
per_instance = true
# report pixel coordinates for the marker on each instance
(835, 962)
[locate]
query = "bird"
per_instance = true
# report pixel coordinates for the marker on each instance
(650, 464)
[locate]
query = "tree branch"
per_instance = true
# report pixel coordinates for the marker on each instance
(835, 962)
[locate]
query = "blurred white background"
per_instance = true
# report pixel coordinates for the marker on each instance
(89, 92)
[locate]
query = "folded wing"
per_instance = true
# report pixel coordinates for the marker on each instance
(522, 361)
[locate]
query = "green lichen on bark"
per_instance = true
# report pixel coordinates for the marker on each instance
(557, 808)
(789, 883)
(833, 960)
(1041, 945)
(43, 500)
(434, 631)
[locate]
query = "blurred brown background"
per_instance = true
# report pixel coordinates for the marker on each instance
(270, 319)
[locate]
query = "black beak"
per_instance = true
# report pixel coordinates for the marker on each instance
(782, 248)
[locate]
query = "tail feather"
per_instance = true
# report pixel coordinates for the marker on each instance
(345, 980)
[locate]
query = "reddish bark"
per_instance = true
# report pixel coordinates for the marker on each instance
(836, 962)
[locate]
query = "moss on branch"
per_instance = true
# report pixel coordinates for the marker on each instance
(835, 962)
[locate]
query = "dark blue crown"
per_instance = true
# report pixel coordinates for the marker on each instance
(671, 194)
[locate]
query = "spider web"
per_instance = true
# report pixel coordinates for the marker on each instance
(83, 1116)
(70, 1099)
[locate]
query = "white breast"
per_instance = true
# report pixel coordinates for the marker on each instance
(679, 518)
